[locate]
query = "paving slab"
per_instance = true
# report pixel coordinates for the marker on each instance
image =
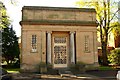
(53, 77)
(89, 75)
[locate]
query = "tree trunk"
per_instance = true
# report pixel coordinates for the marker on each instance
(104, 53)
(104, 35)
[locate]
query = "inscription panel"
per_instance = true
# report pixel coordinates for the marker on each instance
(58, 15)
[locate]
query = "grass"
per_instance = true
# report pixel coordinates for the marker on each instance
(106, 68)
(13, 70)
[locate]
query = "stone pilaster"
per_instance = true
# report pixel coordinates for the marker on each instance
(49, 47)
(72, 47)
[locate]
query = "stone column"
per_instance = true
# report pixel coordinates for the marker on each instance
(72, 47)
(95, 47)
(49, 47)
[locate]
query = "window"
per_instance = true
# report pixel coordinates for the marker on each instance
(34, 43)
(87, 48)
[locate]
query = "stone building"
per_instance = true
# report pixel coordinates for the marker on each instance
(58, 36)
(117, 39)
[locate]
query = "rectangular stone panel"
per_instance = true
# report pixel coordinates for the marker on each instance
(53, 13)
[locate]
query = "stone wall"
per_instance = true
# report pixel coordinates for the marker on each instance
(67, 18)
(50, 13)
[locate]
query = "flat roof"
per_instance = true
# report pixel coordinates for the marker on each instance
(58, 8)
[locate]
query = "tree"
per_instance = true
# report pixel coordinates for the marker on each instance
(10, 48)
(114, 57)
(4, 19)
(104, 18)
(116, 32)
(116, 28)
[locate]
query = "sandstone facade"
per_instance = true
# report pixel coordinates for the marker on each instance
(58, 36)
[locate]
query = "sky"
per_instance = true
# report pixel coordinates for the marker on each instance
(14, 10)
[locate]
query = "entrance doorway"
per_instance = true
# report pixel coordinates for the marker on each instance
(60, 49)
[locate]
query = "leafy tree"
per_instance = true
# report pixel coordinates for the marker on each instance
(114, 57)
(104, 18)
(4, 19)
(116, 32)
(10, 48)
(116, 28)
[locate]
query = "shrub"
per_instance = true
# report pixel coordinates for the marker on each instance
(114, 57)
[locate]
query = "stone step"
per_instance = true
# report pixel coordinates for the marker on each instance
(66, 73)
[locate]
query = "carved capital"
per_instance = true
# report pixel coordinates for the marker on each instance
(49, 32)
(72, 32)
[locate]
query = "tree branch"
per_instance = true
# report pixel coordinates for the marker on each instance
(113, 15)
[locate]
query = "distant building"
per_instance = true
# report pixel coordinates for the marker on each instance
(114, 41)
(58, 36)
(111, 40)
(117, 39)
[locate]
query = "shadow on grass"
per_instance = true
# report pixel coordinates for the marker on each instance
(11, 69)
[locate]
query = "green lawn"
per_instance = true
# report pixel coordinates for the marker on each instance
(106, 68)
(13, 70)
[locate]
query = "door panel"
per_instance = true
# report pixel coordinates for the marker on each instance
(60, 50)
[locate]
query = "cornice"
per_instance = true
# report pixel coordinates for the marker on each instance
(59, 22)
(58, 8)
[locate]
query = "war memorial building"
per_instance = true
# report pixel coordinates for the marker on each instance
(58, 36)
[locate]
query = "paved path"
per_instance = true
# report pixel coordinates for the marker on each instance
(89, 75)
(53, 77)
(105, 74)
